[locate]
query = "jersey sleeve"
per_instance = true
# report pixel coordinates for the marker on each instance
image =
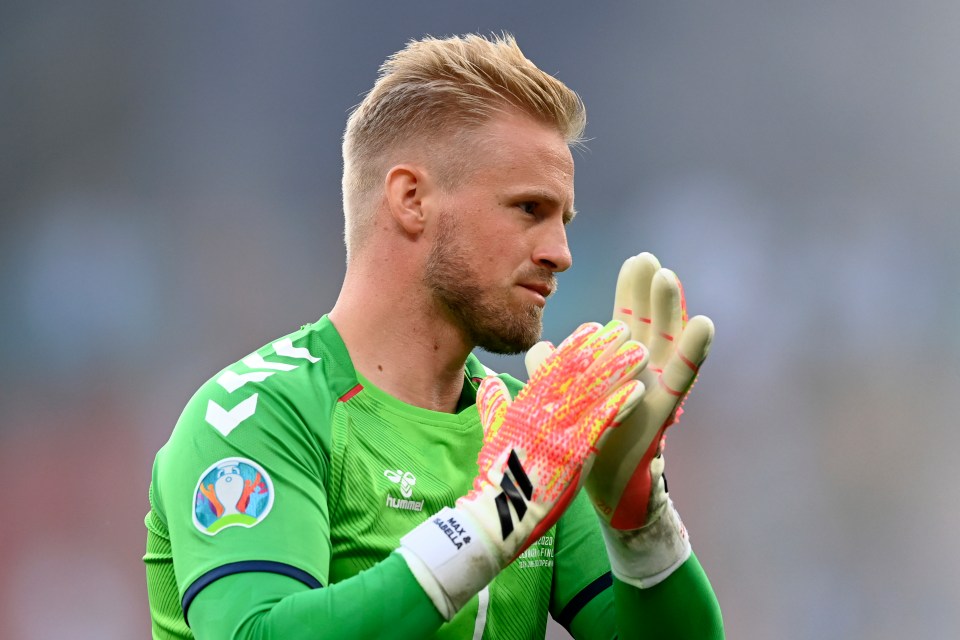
(683, 606)
(581, 579)
(241, 500)
(241, 484)
(591, 604)
(385, 601)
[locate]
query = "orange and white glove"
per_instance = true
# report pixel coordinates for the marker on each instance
(646, 539)
(536, 451)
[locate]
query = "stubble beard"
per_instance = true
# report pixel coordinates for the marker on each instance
(488, 323)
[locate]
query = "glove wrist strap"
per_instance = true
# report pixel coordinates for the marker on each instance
(647, 556)
(450, 558)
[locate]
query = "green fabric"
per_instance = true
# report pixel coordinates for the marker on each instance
(167, 617)
(269, 606)
(385, 602)
(579, 545)
(333, 450)
(286, 436)
(683, 607)
(335, 473)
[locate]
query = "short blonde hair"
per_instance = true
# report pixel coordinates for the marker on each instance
(435, 93)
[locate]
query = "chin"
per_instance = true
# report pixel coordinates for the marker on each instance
(510, 340)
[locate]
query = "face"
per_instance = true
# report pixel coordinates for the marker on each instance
(500, 235)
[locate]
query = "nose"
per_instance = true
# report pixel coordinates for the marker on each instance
(552, 250)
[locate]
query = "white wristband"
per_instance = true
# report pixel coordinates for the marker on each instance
(646, 557)
(450, 558)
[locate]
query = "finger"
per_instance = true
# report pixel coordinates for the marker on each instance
(564, 386)
(628, 425)
(493, 398)
(607, 411)
(569, 357)
(608, 357)
(582, 443)
(637, 389)
(620, 362)
(632, 299)
(666, 301)
(621, 449)
(692, 348)
(601, 346)
(536, 355)
(580, 335)
(614, 360)
(609, 373)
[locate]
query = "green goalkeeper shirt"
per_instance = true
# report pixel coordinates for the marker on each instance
(289, 466)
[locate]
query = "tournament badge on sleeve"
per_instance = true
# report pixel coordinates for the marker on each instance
(231, 492)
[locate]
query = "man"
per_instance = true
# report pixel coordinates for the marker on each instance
(294, 498)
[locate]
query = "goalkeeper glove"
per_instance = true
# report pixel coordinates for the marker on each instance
(535, 453)
(645, 538)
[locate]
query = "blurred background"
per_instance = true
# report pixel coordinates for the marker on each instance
(169, 201)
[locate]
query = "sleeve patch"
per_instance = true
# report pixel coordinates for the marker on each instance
(234, 492)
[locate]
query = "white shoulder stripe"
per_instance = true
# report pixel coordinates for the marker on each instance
(256, 361)
(484, 602)
(226, 421)
(232, 381)
(285, 348)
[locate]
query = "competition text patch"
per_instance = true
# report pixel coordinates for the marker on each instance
(539, 554)
(232, 492)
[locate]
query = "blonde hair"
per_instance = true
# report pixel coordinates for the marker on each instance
(435, 93)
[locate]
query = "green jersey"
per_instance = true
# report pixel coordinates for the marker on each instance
(289, 462)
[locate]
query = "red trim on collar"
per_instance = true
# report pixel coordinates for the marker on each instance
(349, 394)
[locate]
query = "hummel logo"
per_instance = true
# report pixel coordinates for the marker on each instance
(511, 493)
(406, 482)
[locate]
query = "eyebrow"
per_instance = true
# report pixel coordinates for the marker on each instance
(546, 196)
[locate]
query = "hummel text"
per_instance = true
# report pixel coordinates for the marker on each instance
(409, 505)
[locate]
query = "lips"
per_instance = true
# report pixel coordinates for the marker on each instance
(542, 288)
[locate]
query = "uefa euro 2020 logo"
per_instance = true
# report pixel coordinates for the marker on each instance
(231, 492)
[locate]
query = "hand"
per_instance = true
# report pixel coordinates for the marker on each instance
(536, 452)
(626, 484)
(553, 427)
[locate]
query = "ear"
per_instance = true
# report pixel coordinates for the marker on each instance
(406, 187)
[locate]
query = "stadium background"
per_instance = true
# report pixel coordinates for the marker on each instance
(169, 193)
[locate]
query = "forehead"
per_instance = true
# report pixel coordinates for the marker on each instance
(519, 151)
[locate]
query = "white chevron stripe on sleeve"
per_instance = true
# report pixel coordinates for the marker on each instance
(226, 421)
(256, 361)
(232, 381)
(285, 348)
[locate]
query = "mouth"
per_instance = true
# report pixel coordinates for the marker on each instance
(541, 290)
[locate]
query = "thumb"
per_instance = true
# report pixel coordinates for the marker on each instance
(536, 355)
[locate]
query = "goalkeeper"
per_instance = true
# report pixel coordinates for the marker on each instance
(366, 477)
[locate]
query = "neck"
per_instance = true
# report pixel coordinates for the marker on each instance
(398, 339)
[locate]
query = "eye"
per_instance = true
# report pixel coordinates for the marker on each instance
(528, 207)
